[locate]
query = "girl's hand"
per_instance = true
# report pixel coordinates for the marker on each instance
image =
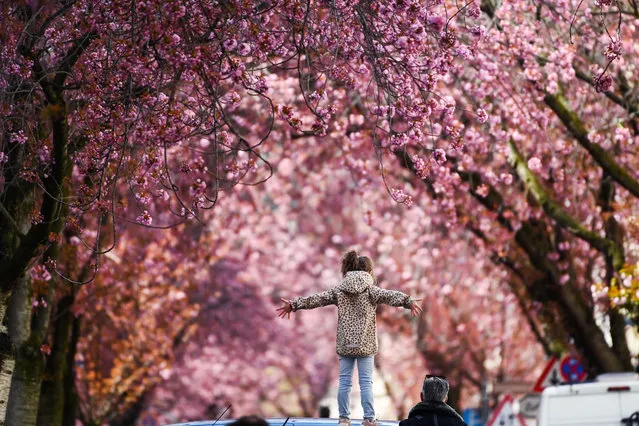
(415, 308)
(285, 311)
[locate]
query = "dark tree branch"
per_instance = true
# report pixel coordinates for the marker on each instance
(11, 221)
(559, 105)
(80, 45)
(628, 106)
(554, 211)
(615, 233)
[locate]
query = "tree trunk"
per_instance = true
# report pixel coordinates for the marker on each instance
(25, 387)
(27, 377)
(454, 393)
(533, 238)
(53, 396)
(6, 372)
(614, 232)
(19, 311)
(7, 359)
(18, 315)
(25, 384)
(4, 303)
(70, 395)
(130, 417)
(13, 222)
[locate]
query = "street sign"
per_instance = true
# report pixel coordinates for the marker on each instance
(529, 405)
(568, 369)
(504, 414)
(572, 369)
(549, 377)
(472, 417)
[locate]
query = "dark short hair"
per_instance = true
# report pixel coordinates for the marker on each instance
(251, 420)
(435, 388)
(324, 412)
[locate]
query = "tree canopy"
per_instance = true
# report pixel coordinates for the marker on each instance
(483, 153)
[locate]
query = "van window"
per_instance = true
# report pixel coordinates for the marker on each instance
(599, 410)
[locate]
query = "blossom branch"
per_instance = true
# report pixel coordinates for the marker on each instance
(631, 107)
(67, 63)
(559, 104)
(554, 211)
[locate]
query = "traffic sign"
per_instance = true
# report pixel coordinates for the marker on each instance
(572, 369)
(504, 414)
(568, 369)
(529, 405)
(548, 377)
(472, 417)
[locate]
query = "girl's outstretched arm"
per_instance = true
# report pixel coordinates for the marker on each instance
(317, 300)
(285, 310)
(416, 307)
(328, 297)
(395, 298)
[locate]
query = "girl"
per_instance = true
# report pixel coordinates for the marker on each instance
(356, 298)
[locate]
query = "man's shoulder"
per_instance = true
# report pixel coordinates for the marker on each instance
(428, 421)
(419, 415)
(422, 415)
(413, 421)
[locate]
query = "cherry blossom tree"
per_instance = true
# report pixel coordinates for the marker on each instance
(169, 102)
(508, 128)
(549, 169)
(129, 337)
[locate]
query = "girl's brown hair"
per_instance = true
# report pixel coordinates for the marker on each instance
(352, 262)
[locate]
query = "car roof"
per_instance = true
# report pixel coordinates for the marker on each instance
(293, 421)
(590, 388)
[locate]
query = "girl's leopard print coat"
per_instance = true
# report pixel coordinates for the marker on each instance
(356, 298)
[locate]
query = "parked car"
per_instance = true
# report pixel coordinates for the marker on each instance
(291, 422)
(611, 400)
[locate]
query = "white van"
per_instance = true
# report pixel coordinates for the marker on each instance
(612, 400)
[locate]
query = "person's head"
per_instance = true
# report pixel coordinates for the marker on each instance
(324, 412)
(353, 262)
(251, 420)
(435, 388)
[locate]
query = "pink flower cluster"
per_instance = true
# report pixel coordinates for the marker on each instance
(398, 141)
(40, 272)
(401, 197)
(145, 218)
(419, 164)
(603, 83)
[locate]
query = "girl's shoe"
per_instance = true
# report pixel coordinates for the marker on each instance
(344, 421)
(369, 422)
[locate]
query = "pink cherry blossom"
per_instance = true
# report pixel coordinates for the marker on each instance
(534, 164)
(145, 218)
(439, 156)
(482, 116)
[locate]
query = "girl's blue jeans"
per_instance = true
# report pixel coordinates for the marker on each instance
(365, 374)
